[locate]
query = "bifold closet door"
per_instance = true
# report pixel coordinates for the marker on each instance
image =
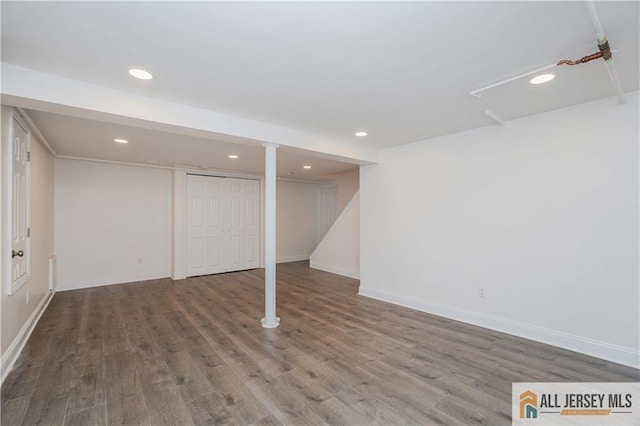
(207, 239)
(244, 224)
(223, 232)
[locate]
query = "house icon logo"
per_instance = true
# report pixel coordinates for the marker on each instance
(528, 405)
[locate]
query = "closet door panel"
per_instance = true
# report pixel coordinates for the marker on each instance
(206, 228)
(251, 234)
(223, 229)
(235, 225)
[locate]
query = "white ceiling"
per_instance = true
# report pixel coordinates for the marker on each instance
(83, 138)
(401, 71)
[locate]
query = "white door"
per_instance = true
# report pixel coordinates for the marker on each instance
(207, 239)
(236, 225)
(225, 212)
(20, 233)
(250, 223)
(328, 209)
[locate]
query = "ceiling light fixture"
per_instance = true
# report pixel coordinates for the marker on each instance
(141, 74)
(306, 167)
(122, 141)
(542, 78)
(361, 134)
(478, 92)
(233, 156)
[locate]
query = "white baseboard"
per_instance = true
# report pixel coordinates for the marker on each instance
(98, 282)
(11, 355)
(178, 276)
(603, 350)
(294, 258)
(335, 270)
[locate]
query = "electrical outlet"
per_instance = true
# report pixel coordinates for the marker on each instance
(139, 261)
(482, 292)
(28, 297)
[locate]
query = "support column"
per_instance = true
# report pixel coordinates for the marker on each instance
(270, 319)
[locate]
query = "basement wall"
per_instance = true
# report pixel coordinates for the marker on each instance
(540, 214)
(348, 183)
(18, 316)
(114, 222)
(296, 220)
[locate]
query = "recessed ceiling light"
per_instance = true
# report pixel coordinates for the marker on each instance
(121, 141)
(306, 167)
(141, 74)
(361, 134)
(233, 156)
(543, 78)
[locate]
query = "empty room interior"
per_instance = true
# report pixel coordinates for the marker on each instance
(294, 213)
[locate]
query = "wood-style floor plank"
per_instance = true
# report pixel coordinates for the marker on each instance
(194, 352)
(125, 402)
(14, 409)
(96, 415)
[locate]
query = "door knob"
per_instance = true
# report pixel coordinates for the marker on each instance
(16, 253)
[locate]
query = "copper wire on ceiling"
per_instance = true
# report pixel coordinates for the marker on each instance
(604, 53)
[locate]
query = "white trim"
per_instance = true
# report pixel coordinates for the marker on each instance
(11, 355)
(35, 129)
(122, 163)
(335, 270)
(189, 169)
(7, 211)
(218, 172)
(293, 258)
(603, 350)
(320, 180)
(5, 201)
(121, 279)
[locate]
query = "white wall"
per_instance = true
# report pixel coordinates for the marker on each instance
(542, 212)
(339, 250)
(297, 219)
(107, 217)
(348, 184)
(17, 316)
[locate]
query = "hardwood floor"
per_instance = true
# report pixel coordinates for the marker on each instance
(193, 351)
